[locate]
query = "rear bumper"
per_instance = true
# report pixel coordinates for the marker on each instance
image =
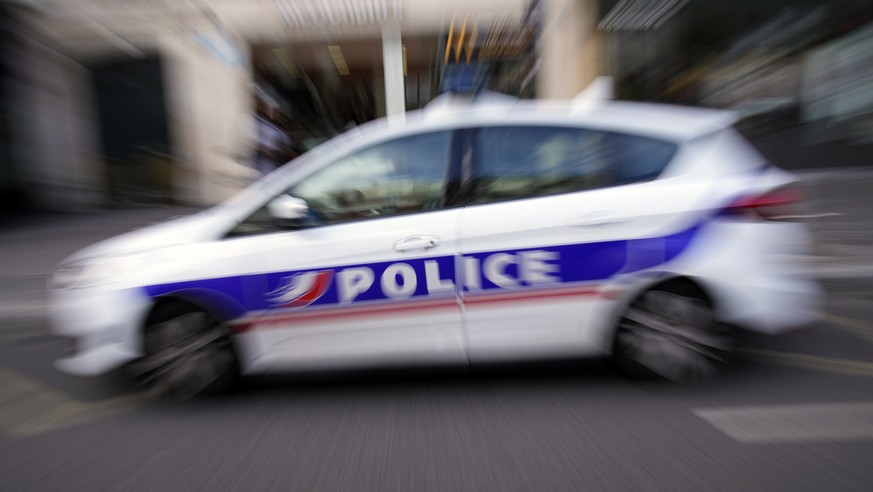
(757, 274)
(771, 307)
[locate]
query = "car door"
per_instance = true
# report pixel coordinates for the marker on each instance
(369, 276)
(550, 214)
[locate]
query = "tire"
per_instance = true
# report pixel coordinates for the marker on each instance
(187, 352)
(671, 332)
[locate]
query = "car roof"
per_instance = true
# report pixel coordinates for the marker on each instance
(665, 121)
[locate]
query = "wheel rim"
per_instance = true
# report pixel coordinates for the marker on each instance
(185, 355)
(674, 336)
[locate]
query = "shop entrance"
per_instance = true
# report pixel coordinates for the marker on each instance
(325, 88)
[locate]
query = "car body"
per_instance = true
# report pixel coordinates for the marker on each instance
(467, 233)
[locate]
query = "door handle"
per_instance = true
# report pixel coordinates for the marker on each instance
(414, 243)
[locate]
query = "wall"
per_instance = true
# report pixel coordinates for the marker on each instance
(210, 103)
(52, 133)
(570, 48)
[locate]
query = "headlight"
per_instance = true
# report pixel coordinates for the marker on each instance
(92, 272)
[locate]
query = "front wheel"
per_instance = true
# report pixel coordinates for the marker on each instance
(672, 333)
(187, 352)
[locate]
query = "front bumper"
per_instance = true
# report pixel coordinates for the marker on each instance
(104, 326)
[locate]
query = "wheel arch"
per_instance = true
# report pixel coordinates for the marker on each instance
(653, 280)
(171, 305)
(217, 304)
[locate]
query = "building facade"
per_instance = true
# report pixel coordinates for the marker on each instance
(108, 101)
(135, 100)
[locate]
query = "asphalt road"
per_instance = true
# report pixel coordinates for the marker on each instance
(794, 413)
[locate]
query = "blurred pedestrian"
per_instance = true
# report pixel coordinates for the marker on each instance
(273, 141)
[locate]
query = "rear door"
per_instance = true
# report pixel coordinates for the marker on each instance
(553, 213)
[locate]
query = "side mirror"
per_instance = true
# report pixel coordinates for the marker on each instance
(288, 211)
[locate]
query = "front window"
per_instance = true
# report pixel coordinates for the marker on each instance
(401, 176)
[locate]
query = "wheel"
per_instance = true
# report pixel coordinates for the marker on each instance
(187, 352)
(671, 332)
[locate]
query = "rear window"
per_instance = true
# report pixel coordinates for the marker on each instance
(523, 162)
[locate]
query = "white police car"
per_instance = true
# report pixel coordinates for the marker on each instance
(490, 232)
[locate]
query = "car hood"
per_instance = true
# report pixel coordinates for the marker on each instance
(202, 226)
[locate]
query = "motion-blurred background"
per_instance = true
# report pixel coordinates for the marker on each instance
(118, 102)
(118, 113)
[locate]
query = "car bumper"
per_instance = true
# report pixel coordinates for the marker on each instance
(757, 275)
(770, 306)
(102, 326)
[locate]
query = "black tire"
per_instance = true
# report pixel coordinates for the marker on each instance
(671, 332)
(187, 352)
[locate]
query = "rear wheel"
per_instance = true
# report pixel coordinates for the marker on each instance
(187, 352)
(671, 332)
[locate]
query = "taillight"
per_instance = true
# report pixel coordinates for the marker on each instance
(779, 204)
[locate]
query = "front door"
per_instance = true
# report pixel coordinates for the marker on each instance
(370, 278)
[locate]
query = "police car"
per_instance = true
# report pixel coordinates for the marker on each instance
(472, 233)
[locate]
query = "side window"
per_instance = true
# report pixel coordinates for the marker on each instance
(523, 162)
(392, 178)
(401, 176)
